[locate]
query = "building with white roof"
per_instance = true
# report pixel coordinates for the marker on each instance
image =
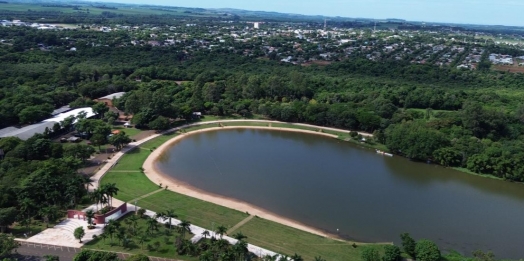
(29, 131)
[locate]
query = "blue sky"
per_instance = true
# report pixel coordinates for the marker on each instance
(500, 12)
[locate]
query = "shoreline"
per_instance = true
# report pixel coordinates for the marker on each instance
(157, 177)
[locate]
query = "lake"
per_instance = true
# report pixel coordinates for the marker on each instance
(330, 184)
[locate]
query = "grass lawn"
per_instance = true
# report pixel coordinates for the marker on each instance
(132, 160)
(158, 243)
(290, 126)
(257, 124)
(198, 212)
(129, 131)
(287, 240)
(156, 142)
(131, 185)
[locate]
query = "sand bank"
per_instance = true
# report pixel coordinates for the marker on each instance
(157, 176)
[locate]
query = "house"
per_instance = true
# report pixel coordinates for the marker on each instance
(61, 110)
(108, 99)
(197, 115)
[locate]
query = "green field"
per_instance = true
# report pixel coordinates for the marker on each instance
(288, 240)
(131, 185)
(199, 212)
(129, 131)
(132, 160)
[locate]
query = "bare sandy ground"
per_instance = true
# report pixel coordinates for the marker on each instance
(158, 177)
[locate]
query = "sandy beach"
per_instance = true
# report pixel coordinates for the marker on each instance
(158, 177)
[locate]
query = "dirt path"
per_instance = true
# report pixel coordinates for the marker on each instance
(241, 223)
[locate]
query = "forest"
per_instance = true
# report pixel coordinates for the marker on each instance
(457, 118)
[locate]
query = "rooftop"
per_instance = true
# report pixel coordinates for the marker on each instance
(30, 130)
(112, 96)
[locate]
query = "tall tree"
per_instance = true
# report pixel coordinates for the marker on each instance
(119, 140)
(7, 217)
(7, 245)
(408, 244)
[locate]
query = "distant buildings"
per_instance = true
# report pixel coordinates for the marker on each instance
(501, 59)
(29, 131)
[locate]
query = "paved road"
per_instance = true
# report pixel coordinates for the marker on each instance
(36, 252)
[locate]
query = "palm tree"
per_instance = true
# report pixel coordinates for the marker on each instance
(183, 227)
(240, 249)
(206, 256)
(159, 215)
(121, 235)
(141, 240)
(220, 245)
(283, 258)
(90, 214)
(170, 214)
(110, 190)
(221, 230)
(133, 219)
(96, 196)
(239, 236)
(205, 234)
(296, 257)
(87, 182)
(319, 258)
(152, 225)
(111, 228)
(270, 258)
(103, 236)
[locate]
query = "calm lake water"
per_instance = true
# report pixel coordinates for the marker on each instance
(330, 184)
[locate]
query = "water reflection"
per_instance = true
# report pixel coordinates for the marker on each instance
(331, 184)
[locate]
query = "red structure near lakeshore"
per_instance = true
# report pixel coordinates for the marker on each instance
(99, 219)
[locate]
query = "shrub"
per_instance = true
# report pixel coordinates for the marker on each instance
(427, 250)
(391, 253)
(370, 254)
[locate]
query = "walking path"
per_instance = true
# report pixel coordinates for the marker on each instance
(241, 223)
(146, 195)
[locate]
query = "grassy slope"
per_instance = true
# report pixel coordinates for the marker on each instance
(289, 241)
(131, 185)
(198, 212)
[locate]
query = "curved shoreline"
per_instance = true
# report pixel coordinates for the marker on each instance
(157, 177)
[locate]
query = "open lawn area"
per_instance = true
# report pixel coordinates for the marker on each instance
(288, 240)
(132, 160)
(131, 185)
(198, 212)
(129, 131)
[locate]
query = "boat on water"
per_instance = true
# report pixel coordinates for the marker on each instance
(384, 153)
